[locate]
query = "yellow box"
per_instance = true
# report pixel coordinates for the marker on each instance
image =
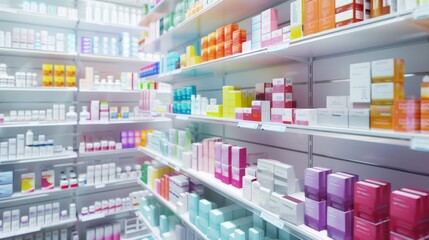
(47, 81)
(182, 60)
(382, 116)
(296, 32)
(47, 70)
(190, 51)
(59, 75)
(70, 76)
(195, 60)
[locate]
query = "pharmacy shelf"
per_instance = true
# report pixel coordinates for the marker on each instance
(36, 124)
(36, 194)
(110, 152)
(154, 230)
(95, 216)
(100, 187)
(19, 16)
(40, 159)
(17, 52)
(415, 140)
(235, 63)
(184, 217)
(205, 21)
(159, 11)
(109, 27)
(144, 120)
(24, 231)
(109, 59)
(236, 195)
(90, 91)
(39, 89)
(389, 30)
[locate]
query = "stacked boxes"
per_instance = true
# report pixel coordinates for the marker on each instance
(282, 93)
(326, 15)
(6, 184)
(348, 12)
(269, 26)
(238, 38)
(256, 32)
(229, 32)
(220, 42)
(311, 17)
(202, 219)
(371, 209)
(315, 188)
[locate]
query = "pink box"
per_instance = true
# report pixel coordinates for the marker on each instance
(269, 94)
(364, 230)
(269, 20)
(239, 113)
(407, 214)
(218, 151)
(421, 193)
(340, 224)
(397, 236)
(277, 114)
(226, 173)
(196, 155)
(276, 37)
(226, 154)
(247, 114)
(282, 85)
(266, 40)
(239, 157)
(237, 176)
(205, 160)
(218, 170)
(261, 111)
(371, 201)
(278, 100)
(212, 152)
(260, 89)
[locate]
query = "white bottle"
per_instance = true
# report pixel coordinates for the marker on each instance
(126, 20)
(106, 18)
(71, 114)
(63, 112)
(29, 137)
(84, 115)
(97, 13)
(120, 15)
(114, 15)
(88, 12)
(20, 146)
(72, 211)
(133, 20)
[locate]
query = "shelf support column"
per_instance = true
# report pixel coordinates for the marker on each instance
(310, 105)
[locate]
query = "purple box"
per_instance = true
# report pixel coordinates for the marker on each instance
(315, 214)
(340, 224)
(340, 191)
(239, 155)
(315, 183)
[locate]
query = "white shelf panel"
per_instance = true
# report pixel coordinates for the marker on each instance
(110, 59)
(96, 216)
(19, 16)
(37, 229)
(40, 159)
(93, 188)
(373, 135)
(85, 91)
(36, 124)
(109, 27)
(154, 230)
(111, 152)
(36, 194)
(184, 217)
(147, 120)
(39, 89)
(36, 53)
(237, 195)
(159, 11)
(206, 21)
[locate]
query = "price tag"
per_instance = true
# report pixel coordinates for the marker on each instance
(182, 117)
(101, 185)
(276, 221)
(273, 127)
(250, 125)
(420, 144)
(421, 12)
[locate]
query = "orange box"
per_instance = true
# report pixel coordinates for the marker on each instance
(220, 50)
(387, 70)
(212, 53)
(212, 39)
(220, 35)
(236, 48)
(376, 8)
(239, 35)
(204, 55)
(204, 42)
(382, 116)
(406, 116)
(424, 90)
(424, 123)
(229, 29)
(326, 8)
(311, 28)
(228, 48)
(326, 23)
(311, 11)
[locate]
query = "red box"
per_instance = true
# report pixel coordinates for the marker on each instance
(261, 111)
(247, 114)
(421, 193)
(229, 29)
(236, 48)
(371, 201)
(365, 230)
(226, 173)
(237, 177)
(220, 50)
(228, 48)
(260, 90)
(408, 214)
(220, 35)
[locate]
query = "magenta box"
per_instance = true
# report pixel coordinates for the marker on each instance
(365, 230)
(218, 170)
(423, 194)
(315, 183)
(239, 157)
(226, 173)
(278, 118)
(340, 224)
(226, 154)
(371, 202)
(237, 177)
(340, 191)
(408, 215)
(315, 214)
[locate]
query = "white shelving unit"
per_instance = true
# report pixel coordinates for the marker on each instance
(36, 124)
(40, 159)
(37, 229)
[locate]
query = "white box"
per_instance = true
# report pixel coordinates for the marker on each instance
(63, 234)
(296, 12)
(289, 208)
(55, 235)
(247, 187)
(337, 102)
(48, 214)
(15, 220)
(359, 118)
(306, 117)
(95, 110)
(247, 46)
(55, 212)
(32, 217)
(108, 231)
(333, 117)
(264, 197)
(382, 91)
(360, 82)
(16, 34)
(99, 233)
(90, 234)
(40, 215)
(255, 192)
(7, 221)
(285, 173)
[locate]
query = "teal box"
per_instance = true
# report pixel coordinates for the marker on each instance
(256, 234)
(226, 229)
(212, 233)
(271, 230)
(258, 222)
(163, 224)
(239, 234)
